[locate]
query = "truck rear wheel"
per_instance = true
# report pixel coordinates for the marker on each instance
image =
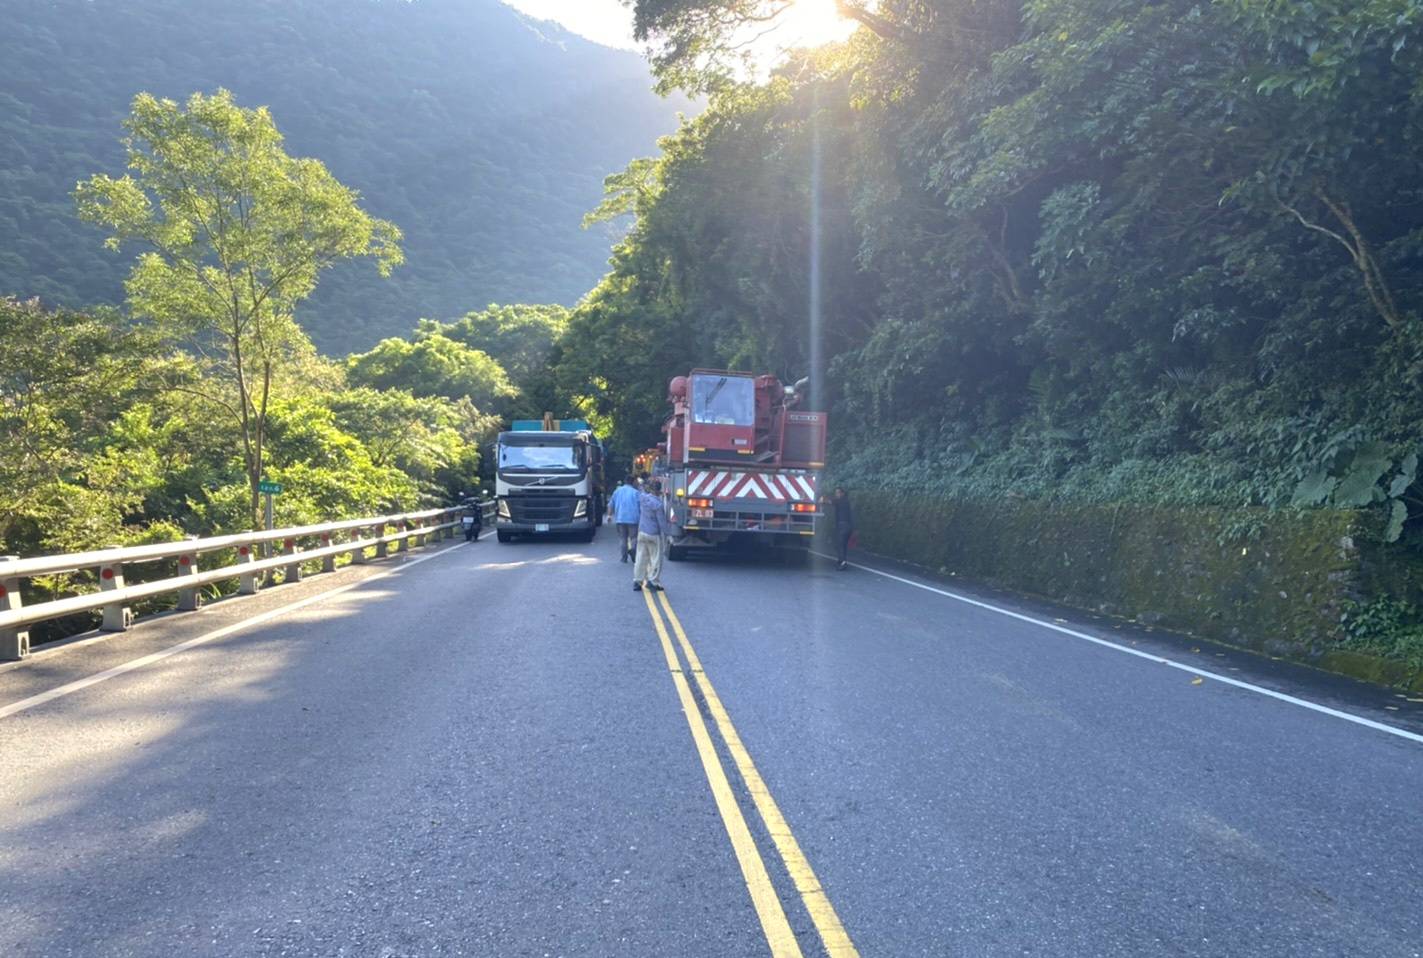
(676, 553)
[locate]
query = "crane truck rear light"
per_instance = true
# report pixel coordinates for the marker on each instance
(700, 503)
(802, 507)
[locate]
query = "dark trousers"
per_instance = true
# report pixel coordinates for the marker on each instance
(627, 532)
(842, 542)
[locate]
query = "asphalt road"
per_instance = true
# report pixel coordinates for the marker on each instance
(484, 751)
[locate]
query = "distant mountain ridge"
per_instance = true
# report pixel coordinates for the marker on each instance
(485, 136)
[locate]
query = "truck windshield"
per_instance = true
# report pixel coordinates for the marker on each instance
(723, 401)
(538, 459)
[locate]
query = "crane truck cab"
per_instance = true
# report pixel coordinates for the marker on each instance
(548, 479)
(741, 462)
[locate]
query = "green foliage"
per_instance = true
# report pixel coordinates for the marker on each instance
(1073, 250)
(522, 337)
(65, 379)
(235, 234)
(1325, 46)
(1363, 474)
(433, 365)
(109, 440)
(327, 471)
(433, 441)
(485, 136)
(1385, 626)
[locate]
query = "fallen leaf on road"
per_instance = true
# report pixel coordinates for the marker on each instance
(1197, 680)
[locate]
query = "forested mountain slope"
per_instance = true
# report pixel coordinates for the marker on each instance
(483, 135)
(1085, 249)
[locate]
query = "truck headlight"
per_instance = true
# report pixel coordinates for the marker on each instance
(580, 509)
(503, 509)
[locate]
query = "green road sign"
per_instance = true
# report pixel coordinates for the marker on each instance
(270, 488)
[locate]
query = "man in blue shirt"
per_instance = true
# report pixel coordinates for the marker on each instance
(625, 510)
(652, 528)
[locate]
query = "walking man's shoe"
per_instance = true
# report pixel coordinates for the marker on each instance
(656, 588)
(637, 587)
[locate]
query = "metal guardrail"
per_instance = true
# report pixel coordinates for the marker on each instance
(412, 529)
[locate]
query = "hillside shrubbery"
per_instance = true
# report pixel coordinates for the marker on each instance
(1086, 249)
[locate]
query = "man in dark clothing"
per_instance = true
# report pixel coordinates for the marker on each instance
(844, 527)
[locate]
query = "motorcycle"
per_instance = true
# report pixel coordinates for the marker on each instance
(473, 520)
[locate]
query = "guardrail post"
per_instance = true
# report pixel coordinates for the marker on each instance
(403, 543)
(14, 643)
(189, 600)
(328, 563)
(423, 535)
(382, 547)
(247, 583)
(117, 616)
(290, 548)
(359, 555)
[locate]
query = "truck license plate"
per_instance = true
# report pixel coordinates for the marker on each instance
(541, 527)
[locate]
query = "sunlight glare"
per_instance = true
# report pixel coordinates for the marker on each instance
(807, 23)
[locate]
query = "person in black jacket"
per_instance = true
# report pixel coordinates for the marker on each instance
(844, 527)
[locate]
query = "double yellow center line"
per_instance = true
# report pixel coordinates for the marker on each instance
(753, 868)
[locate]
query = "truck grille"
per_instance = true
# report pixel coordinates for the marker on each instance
(537, 508)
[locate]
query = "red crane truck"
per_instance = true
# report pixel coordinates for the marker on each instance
(740, 462)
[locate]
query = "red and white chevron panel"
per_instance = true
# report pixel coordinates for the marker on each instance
(730, 484)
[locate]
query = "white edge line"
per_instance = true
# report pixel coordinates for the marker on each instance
(1204, 673)
(77, 685)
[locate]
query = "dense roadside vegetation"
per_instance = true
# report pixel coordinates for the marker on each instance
(1073, 250)
(159, 420)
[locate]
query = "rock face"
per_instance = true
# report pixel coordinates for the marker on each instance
(1281, 588)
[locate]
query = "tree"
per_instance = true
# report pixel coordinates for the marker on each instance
(64, 378)
(1337, 159)
(701, 46)
(433, 365)
(520, 338)
(433, 440)
(237, 233)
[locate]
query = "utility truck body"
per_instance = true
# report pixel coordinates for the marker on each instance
(740, 463)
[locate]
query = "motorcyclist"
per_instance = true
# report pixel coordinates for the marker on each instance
(473, 510)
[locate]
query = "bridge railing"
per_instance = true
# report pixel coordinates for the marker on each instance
(294, 545)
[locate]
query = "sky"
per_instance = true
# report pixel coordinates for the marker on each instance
(805, 23)
(605, 21)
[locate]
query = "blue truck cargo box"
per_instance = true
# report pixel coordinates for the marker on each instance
(537, 425)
